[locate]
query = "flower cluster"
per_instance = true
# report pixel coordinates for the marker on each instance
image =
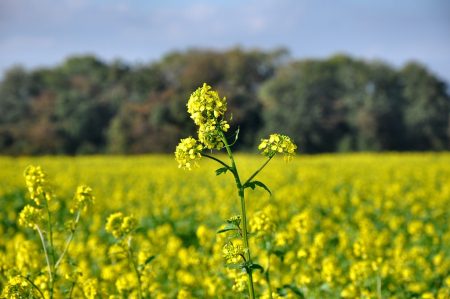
(30, 216)
(119, 225)
(35, 180)
(188, 152)
(232, 253)
(261, 224)
(17, 288)
(83, 197)
(236, 220)
(207, 110)
(208, 133)
(205, 105)
(277, 144)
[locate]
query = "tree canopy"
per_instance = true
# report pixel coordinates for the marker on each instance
(86, 105)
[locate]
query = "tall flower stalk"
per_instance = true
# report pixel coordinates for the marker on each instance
(207, 110)
(37, 214)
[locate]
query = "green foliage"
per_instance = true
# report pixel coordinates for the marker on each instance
(86, 105)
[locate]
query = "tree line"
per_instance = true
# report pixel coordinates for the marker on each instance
(88, 106)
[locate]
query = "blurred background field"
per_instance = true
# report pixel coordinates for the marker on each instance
(343, 222)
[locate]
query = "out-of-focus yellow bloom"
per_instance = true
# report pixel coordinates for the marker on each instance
(83, 197)
(18, 288)
(90, 288)
(30, 217)
(261, 224)
(239, 280)
(35, 180)
(233, 252)
(302, 222)
(119, 225)
(126, 283)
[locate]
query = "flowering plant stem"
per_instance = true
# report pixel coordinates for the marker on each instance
(241, 193)
(69, 239)
(51, 249)
(134, 266)
(240, 188)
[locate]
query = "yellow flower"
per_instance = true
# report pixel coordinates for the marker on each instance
(205, 104)
(232, 253)
(277, 144)
(129, 224)
(261, 224)
(30, 216)
(119, 225)
(17, 287)
(209, 133)
(240, 281)
(188, 152)
(35, 180)
(83, 197)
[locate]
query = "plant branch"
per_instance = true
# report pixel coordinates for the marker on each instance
(258, 171)
(49, 268)
(69, 239)
(240, 188)
(217, 160)
(34, 285)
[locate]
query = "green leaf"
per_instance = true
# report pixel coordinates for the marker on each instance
(293, 288)
(249, 185)
(262, 185)
(227, 227)
(149, 260)
(235, 266)
(221, 170)
(255, 184)
(235, 137)
(256, 267)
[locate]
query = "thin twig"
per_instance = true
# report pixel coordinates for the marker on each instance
(217, 160)
(259, 169)
(45, 252)
(34, 285)
(69, 239)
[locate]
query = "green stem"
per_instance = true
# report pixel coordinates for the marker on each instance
(69, 239)
(134, 266)
(240, 188)
(72, 287)
(49, 268)
(268, 276)
(258, 171)
(379, 286)
(33, 285)
(217, 160)
(51, 248)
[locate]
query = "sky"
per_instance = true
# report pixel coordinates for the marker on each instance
(42, 33)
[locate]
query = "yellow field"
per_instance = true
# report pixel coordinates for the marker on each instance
(352, 226)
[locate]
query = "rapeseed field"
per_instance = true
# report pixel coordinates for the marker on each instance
(335, 226)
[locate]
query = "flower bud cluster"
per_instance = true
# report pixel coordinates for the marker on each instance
(188, 152)
(205, 105)
(83, 197)
(277, 144)
(35, 180)
(119, 225)
(233, 253)
(207, 110)
(30, 216)
(261, 224)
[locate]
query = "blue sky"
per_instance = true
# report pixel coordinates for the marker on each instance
(44, 32)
